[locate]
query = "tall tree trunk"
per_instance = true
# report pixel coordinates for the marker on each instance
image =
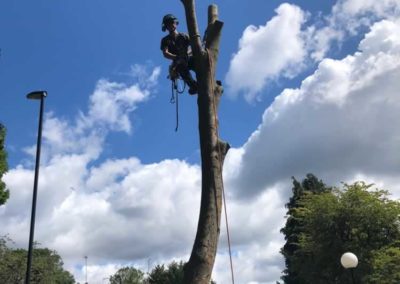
(213, 150)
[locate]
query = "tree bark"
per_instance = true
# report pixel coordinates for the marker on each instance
(213, 150)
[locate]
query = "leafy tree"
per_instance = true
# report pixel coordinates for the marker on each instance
(160, 274)
(46, 267)
(127, 275)
(385, 265)
(4, 193)
(355, 219)
(173, 274)
(294, 223)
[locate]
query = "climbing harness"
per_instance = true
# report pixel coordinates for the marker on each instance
(210, 62)
(175, 90)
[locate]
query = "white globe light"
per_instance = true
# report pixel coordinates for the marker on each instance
(349, 260)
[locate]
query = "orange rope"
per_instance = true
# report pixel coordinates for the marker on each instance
(220, 165)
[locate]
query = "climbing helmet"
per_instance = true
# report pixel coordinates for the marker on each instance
(167, 19)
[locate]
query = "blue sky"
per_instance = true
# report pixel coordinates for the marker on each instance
(309, 86)
(65, 47)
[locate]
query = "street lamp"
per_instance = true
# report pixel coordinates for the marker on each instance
(37, 95)
(349, 261)
(86, 269)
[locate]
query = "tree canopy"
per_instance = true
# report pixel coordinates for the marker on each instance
(127, 275)
(172, 274)
(294, 222)
(47, 266)
(4, 193)
(329, 223)
(160, 274)
(385, 265)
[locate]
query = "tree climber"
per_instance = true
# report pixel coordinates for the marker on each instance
(175, 46)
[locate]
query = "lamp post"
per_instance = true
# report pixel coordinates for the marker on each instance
(37, 95)
(86, 269)
(349, 261)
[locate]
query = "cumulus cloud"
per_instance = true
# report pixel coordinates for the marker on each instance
(284, 46)
(346, 19)
(338, 124)
(110, 107)
(122, 212)
(355, 13)
(265, 52)
(255, 238)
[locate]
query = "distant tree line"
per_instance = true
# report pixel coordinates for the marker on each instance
(160, 274)
(324, 222)
(47, 266)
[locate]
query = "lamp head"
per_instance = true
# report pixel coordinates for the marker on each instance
(349, 260)
(36, 95)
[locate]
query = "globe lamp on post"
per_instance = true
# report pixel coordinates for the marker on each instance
(349, 261)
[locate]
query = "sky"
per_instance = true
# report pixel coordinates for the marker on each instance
(310, 87)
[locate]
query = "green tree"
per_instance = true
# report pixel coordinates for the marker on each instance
(4, 192)
(170, 275)
(294, 223)
(12, 263)
(47, 266)
(385, 265)
(158, 275)
(127, 275)
(173, 274)
(355, 219)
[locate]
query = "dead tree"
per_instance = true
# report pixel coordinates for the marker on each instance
(213, 150)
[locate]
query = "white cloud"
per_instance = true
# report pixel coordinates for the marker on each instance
(319, 40)
(255, 238)
(122, 212)
(112, 102)
(267, 52)
(346, 19)
(338, 124)
(110, 107)
(282, 47)
(355, 13)
(258, 263)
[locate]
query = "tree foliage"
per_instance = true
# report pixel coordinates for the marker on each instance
(293, 228)
(4, 192)
(357, 219)
(127, 275)
(385, 266)
(160, 274)
(170, 275)
(47, 266)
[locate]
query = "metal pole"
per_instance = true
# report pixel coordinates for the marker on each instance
(35, 185)
(86, 269)
(352, 275)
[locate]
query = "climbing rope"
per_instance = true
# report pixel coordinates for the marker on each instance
(210, 62)
(175, 92)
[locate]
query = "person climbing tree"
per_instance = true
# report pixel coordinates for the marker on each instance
(175, 46)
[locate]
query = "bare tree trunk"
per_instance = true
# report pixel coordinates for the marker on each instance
(213, 151)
